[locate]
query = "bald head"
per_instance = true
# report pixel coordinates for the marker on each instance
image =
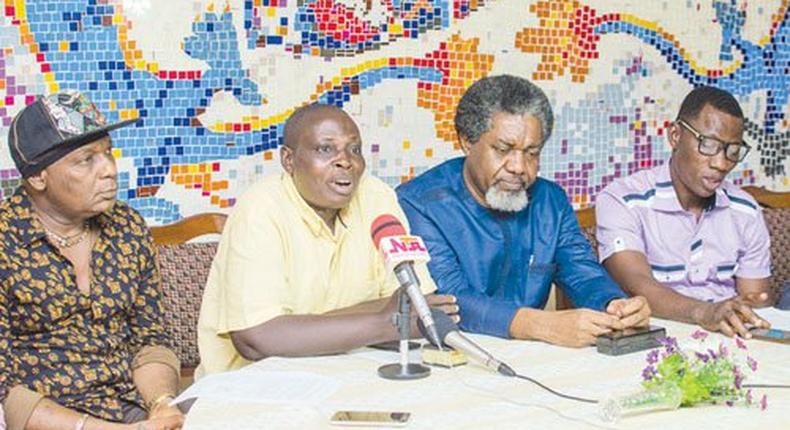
(302, 119)
(323, 155)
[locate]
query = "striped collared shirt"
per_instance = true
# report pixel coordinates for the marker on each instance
(697, 258)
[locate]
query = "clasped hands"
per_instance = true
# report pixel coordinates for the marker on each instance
(163, 416)
(581, 327)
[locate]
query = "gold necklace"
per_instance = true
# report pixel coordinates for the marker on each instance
(67, 241)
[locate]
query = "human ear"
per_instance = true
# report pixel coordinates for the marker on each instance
(287, 159)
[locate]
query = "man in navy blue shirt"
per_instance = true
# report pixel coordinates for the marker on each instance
(499, 236)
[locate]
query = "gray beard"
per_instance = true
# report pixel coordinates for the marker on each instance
(506, 201)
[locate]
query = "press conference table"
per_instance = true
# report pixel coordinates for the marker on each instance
(471, 397)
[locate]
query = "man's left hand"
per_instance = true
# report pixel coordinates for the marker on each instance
(633, 312)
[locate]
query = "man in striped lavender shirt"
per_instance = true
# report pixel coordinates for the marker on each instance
(696, 246)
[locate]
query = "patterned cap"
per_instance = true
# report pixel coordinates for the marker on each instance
(52, 126)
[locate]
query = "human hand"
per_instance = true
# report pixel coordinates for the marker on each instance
(730, 318)
(632, 312)
(391, 305)
(576, 327)
(758, 300)
(445, 303)
(165, 410)
(172, 422)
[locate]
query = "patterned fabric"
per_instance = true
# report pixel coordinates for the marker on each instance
(54, 125)
(73, 113)
(589, 234)
(74, 348)
(778, 220)
(184, 269)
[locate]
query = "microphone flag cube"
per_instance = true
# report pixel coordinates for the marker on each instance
(395, 244)
(398, 249)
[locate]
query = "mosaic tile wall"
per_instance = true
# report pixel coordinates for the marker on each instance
(214, 81)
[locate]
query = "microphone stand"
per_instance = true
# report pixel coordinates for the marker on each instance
(403, 370)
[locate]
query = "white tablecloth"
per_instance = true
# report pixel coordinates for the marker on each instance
(470, 397)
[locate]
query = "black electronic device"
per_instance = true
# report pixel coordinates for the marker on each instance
(630, 340)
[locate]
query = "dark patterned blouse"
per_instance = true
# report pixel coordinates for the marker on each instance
(74, 348)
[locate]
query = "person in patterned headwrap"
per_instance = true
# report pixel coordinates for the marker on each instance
(83, 345)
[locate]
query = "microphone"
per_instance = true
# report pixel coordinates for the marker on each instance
(400, 251)
(451, 336)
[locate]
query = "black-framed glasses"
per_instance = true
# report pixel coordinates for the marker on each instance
(711, 146)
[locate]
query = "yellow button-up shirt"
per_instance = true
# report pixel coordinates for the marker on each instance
(278, 257)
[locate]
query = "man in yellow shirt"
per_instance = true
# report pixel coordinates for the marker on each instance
(296, 272)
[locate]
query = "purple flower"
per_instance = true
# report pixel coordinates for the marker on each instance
(738, 376)
(749, 398)
(652, 357)
(740, 343)
(670, 344)
(703, 357)
(723, 351)
(763, 402)
(648, 373)
(699, 335)
(729, 403)
(712, 354)
(752, 363)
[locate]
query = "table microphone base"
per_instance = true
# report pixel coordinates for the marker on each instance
(397, 371)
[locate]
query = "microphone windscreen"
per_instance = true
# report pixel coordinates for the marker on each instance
(444, 325)
(385, 225)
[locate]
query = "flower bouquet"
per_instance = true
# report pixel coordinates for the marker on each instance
(674, 377)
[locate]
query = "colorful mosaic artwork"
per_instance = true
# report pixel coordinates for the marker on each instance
(213, 82)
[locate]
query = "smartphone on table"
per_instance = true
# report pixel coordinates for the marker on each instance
(370, 418)
(771, 335)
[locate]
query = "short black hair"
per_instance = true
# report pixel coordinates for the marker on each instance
(701, 96)
(502, 93)
(295, 121)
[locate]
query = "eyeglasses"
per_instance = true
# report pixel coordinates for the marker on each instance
(711, 146)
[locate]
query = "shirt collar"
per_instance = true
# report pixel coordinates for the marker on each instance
(28, 226)
(722, 199)
(310, 217)
(666, 199)
(464, 192)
